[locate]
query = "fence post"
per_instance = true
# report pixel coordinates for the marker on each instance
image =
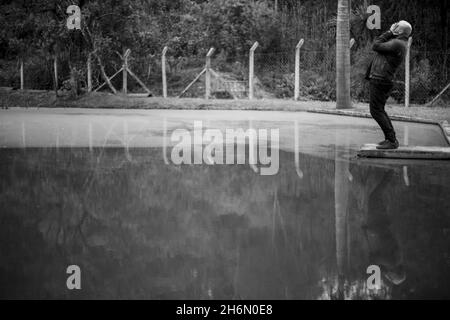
(55, 69)
(125, 74)
(251, 70)
(352, 42)
(208, 74)
(408, 72)
(297, 69)
(89, 72)
(21, 75)
(163, 71)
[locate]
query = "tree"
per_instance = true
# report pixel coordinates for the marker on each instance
(343, 100)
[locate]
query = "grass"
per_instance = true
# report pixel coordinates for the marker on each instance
(47, 99)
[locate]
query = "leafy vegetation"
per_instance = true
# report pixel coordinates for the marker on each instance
(35, 31)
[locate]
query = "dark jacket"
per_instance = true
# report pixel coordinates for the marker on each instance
(390, 53)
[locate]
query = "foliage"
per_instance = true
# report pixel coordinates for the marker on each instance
(36, 30)
(421, 81)
(234, 25)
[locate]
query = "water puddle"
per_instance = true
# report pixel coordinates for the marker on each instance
(141, 228)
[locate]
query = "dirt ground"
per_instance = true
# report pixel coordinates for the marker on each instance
(10, 99)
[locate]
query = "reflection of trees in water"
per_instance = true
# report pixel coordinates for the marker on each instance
(368, 190)
(144, 229)
(393, 225)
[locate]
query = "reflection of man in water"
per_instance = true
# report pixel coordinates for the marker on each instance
(384, 250)
(390, 50)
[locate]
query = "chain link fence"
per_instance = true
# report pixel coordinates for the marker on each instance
(430, 73)
(274, 74)
(37, 73)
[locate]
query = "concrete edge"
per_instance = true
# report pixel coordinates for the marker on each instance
(443, 125)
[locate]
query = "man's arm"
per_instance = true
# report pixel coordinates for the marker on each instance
(382, 44)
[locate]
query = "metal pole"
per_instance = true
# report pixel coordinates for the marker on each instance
(21, 75)
(163, 70)
(297, 69)
(352, 42)
(408, 72)
(89, 73)
(251, 70)
(55, 68)
(208, 74)
(125, 74)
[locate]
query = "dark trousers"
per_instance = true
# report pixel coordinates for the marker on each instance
(379, 93)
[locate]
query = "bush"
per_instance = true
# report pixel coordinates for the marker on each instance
(233, 26)
(9, 74)
(421, 82)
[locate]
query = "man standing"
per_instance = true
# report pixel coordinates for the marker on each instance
(390, 50)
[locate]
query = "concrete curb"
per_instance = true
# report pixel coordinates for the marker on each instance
(406, 152)
(443, 125)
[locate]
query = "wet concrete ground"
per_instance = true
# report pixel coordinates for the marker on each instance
(93, 188)
(144, 128)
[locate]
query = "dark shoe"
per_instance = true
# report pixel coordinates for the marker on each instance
(382, 142)
(388, 145)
